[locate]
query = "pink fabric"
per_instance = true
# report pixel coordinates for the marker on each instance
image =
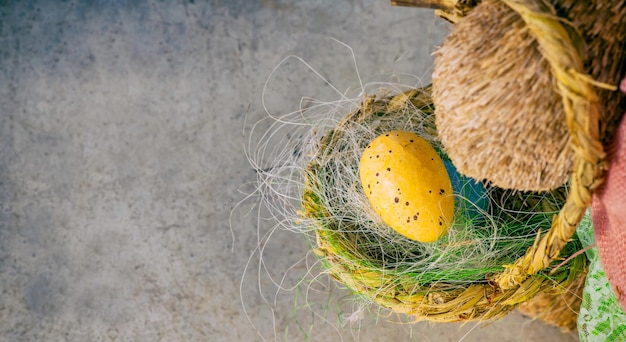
(608, 212)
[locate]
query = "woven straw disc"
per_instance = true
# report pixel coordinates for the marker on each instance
(498, 114)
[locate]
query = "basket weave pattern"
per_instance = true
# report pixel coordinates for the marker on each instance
(397, 291)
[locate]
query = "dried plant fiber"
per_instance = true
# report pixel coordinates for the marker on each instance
(500, 111)
(559, 307)
(453, 279)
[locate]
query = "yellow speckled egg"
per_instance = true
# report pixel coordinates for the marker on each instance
(408, 186)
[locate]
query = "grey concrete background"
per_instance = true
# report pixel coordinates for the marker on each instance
(121, 160)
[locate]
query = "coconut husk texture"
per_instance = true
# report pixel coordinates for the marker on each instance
(500, 111)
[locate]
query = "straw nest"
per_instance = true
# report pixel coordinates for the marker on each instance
(485, 267)
(453, 279)
(498, 88)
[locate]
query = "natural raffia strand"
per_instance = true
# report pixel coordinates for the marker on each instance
(582, 114)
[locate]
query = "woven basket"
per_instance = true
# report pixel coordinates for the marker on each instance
(338, 242)
(528, 276)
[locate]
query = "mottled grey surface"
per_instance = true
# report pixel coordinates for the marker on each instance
(121, 158)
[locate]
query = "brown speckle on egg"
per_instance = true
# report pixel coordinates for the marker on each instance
(404, 218)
